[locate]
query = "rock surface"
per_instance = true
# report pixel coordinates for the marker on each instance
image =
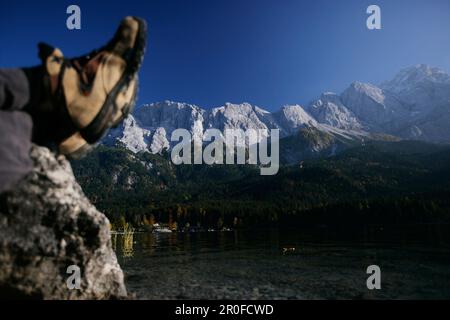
(46, 225)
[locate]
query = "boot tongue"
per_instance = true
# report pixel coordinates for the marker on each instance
(87, 67)
(52, 60)
(44, 51)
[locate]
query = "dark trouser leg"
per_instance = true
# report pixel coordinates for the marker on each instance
(14, 89)
(15, 127)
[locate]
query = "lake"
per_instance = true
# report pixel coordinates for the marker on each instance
(316, 263)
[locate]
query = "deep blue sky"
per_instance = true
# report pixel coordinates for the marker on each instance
(266, 52)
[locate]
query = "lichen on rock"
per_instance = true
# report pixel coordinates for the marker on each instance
(46, 225)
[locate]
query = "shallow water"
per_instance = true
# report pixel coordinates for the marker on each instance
(315, 264)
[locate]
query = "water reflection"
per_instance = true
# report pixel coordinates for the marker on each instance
(123, 244)
(294, 264)
(274, 240)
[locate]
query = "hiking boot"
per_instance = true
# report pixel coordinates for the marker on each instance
(89, 94)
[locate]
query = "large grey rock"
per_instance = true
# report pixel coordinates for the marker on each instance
(46, 225)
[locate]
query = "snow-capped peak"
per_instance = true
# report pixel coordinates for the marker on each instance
(330, 110)
(414, 104)
(292, 117)
(412, 76)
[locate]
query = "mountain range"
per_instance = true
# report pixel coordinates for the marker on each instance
(414, 105)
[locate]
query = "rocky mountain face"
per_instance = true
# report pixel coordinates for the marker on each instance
(150, 127)
(46, 225)
(425, 94)
(415, 104)
(330, 110)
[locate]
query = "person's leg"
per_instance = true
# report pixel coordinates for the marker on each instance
(15, 144)
(72, 102)
(14, 89)
(18, 88)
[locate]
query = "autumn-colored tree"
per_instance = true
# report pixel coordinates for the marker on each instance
(152, 220)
